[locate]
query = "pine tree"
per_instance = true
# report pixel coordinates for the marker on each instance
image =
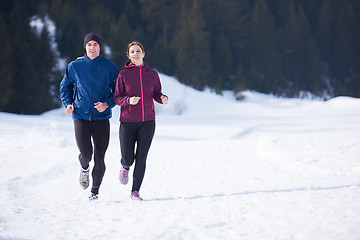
(181, 46)
(264, 58)
(309, 56)
(31, 64)
(192, 47)
(23, 67)
(45, 62)
(239, 80)
(121, 32)
(121, 35)
(71, 30)
(325, 34)
(290, 43)
(162, 57)
(347, 54)
(159, 18)
(300, 55)
(279, 9)
(6, 85)
(229, 20)
(222, 63)
(312, 11)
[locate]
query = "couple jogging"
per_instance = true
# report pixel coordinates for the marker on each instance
(91, 86)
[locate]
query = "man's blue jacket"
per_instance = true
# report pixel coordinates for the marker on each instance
(86, 82)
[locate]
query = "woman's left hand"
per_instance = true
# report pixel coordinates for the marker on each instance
(164, 99)
(101, 106)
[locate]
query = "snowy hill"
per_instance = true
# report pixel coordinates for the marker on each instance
(263, 168)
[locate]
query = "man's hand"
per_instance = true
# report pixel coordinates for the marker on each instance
(69, 109)
(101, 106)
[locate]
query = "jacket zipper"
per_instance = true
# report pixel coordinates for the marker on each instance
(142, 97)
(92, 76)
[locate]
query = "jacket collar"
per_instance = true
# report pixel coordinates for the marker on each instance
(129, 64)
(95, 60)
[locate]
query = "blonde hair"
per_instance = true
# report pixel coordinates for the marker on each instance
(132, 44)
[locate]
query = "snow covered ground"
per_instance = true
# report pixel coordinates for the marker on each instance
(263, 168)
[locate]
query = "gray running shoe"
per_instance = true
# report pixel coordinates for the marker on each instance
(124, 175)
(84, 178)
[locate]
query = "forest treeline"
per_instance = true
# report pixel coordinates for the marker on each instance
(283, 47)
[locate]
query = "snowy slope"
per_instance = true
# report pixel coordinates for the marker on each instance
(264, 168)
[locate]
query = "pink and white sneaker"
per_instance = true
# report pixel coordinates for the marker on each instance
(124, 176)
(135, 196)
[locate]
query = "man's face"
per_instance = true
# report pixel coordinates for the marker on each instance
(92, 49)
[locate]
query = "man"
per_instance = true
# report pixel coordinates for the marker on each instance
(87, 92)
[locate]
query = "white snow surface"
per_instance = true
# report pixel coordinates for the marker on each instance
(262, 168)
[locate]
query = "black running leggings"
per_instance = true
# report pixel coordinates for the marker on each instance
(99, 131)
(141, 135)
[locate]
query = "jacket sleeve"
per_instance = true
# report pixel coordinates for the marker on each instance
(119, 95)
(67, 88)
(112, 84)
(157, 90)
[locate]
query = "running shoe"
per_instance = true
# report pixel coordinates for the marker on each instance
(84, 178)
(124, 175)
(135, 196)
(93, 197)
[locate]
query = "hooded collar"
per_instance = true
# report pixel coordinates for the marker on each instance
(129, 64)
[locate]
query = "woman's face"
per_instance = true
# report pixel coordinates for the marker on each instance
(136, 55)
(92, 49)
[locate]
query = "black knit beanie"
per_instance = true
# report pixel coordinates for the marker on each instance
(92, 36)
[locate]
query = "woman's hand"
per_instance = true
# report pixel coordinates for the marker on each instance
(134, 100)
(101, 106)
(164, 99)
(69, 109)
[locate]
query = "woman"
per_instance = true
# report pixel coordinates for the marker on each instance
(87, 91)
(136, 89)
